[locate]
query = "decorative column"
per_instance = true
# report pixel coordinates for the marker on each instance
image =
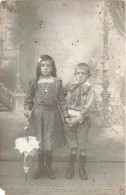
(18, 93)
(105, 80)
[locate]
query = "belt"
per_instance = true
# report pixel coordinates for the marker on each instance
(54, 106)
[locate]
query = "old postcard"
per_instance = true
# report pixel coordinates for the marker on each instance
(62, 97)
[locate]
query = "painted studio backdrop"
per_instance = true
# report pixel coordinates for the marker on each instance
(71, 32)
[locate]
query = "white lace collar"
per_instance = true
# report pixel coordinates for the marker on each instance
(46, 80)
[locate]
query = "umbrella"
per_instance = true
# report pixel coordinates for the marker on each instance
(27, 146)
(2, 192)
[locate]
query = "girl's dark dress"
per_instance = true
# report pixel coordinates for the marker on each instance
(47, 102)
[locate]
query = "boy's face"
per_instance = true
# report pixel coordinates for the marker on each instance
(81, 75)
(46, 68)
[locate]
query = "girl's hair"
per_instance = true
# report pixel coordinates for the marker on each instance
(38, 68)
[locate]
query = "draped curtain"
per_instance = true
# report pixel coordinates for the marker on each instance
(117, 11)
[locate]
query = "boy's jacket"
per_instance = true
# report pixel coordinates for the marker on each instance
(80, 97)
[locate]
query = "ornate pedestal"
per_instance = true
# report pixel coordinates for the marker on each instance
(105, 100)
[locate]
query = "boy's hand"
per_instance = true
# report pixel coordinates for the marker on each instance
(67, 120)
(73, 121)
(80, 118)
(27, 113)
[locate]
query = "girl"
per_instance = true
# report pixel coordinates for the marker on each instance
(44, 98)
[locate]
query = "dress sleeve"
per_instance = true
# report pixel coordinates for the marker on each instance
(29, 99)
(62, 101)
(65, 89)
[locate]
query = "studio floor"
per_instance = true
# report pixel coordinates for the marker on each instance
(105, 178)
(105, 163)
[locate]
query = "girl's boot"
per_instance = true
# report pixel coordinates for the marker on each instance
(49, 170)
(70, 170)
(82, 171)
(40, 170)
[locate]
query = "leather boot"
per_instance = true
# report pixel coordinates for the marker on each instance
(49, 171)
(70, 170)
(40, 170)
(82, 171)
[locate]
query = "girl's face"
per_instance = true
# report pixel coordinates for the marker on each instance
(46, 68)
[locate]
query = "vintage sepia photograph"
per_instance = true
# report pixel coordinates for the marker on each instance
(62, 97)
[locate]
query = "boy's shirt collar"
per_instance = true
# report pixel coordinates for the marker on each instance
(86, 83)
(85, 86)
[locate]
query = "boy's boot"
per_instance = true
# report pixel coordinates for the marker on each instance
(49, 171)
(82, 171)
(40, 170)
(70, 170)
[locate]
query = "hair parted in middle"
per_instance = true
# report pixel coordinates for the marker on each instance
(83, 66)
(38, 68)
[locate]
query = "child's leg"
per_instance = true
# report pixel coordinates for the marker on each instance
(70, 170)
(83, 152)
(49, 170)
(82, 134)
(82, 171)
(40, 169)
(71, 138)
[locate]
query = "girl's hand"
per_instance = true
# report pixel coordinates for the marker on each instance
(27, 113)
(68, 120)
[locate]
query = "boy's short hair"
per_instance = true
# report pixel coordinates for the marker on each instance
(83, 66)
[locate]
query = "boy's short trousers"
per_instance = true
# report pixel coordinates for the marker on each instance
(77, 136)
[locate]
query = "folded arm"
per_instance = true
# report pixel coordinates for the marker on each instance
(90, 102)
(88, 107)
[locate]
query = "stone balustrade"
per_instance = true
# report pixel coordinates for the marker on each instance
(117, 111)
(7, 96)
(115, 114)
(13, 100)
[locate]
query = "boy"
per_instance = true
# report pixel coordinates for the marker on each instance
(80, 102)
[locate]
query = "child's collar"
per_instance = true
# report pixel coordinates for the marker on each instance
(85, 86)
(86, 83)
(43, 79)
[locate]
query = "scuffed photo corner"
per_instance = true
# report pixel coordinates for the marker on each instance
(62, 97)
